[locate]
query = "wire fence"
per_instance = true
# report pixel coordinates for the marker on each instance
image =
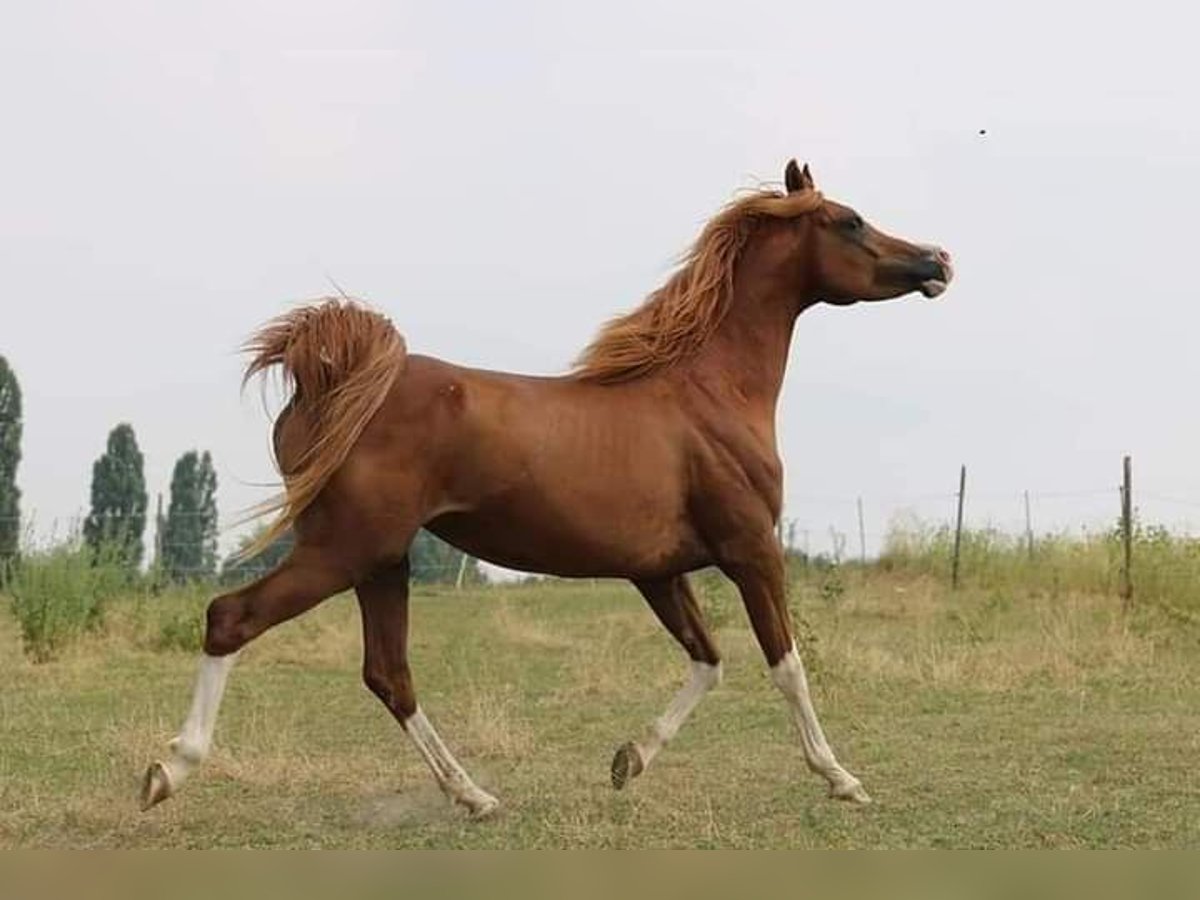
(859, 526)
(840, 527)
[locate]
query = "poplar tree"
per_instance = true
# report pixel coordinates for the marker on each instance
(118, 515)
(10, 457)
(189, 539)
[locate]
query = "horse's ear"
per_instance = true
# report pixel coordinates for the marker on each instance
(797, 179)
(792, 177)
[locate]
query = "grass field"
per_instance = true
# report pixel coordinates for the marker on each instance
(987, 718)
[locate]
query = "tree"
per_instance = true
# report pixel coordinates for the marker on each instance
(10, 456)
(189, 538)
(118, 516)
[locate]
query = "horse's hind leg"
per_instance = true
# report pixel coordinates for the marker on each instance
(673, 603)
(383, 599)
(301, 582)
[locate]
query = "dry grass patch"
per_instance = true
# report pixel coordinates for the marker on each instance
(924, 634)
(982, 718)
(514, 626)
(490, 725)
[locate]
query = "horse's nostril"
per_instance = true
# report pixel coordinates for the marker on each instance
(928, 267)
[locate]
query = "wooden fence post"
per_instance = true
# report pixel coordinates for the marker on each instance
(462, 571)
(862, 536)
(962, 490)
(1127, 535)
(838, 540)
(1028, 528)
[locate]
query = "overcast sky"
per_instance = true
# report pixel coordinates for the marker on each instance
(502, 177)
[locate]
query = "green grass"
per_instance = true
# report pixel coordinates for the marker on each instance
(996, 717)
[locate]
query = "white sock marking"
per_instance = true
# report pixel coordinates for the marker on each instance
(704, 677)
(788, 675)
(451, 777)
(190, 748)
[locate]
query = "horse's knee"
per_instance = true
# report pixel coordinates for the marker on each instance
(224, 631)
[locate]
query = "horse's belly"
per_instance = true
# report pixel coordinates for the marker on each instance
(633, 546)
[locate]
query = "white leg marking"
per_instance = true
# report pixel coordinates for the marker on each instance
(451, 777)
(190, 748)
(704, 677)
(788, 675)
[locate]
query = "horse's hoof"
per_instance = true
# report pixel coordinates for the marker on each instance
(851, 792)
(627, 763)
(484, 807)
(156, 786)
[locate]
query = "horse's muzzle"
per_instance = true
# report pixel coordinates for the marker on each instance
(933, 272)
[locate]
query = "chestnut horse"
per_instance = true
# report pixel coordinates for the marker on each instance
(656, 456)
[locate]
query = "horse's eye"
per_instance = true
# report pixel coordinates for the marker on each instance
(854, 223)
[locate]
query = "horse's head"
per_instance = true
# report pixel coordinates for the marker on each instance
(850, 260)
(763, 258)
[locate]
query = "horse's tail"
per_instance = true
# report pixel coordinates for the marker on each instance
(339, 359)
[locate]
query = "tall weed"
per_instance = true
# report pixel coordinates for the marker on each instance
(1165, 567)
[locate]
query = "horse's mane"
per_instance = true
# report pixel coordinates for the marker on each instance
(682, 314)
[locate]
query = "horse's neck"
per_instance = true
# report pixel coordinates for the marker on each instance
(748, 352)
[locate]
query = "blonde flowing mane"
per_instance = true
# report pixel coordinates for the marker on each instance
(682, 314)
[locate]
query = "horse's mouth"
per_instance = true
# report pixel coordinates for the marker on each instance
(930, 272)
(932, 288)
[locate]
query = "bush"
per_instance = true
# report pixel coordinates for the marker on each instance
(173, 621)
(60, 593)
(183, 630)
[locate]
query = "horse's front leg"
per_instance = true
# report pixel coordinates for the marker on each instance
(757, 568)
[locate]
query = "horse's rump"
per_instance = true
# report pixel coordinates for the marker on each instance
(338, 359)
